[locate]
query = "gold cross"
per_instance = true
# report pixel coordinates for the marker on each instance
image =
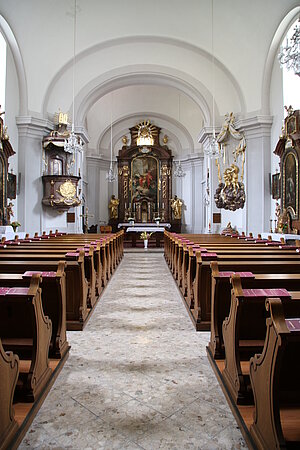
(86, 218)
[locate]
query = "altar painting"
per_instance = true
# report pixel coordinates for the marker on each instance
(290, 184)
(144, 179)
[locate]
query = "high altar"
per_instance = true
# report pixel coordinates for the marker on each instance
(145, 176)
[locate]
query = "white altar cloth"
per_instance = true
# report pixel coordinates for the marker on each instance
(277, 236)
(147, 229)
(139, 224)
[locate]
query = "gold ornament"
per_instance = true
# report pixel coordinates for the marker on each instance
(67, 189)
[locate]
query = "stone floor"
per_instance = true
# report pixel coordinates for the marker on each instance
(137, 377)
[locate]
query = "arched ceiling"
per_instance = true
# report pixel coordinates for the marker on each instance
(176, 113)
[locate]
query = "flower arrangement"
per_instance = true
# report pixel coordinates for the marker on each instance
(15, 225)
(145, 236)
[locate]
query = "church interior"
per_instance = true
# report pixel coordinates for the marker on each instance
(149, 224)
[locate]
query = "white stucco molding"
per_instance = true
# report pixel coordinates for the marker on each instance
(15, 50)
(96, 161)
(33, 126)
(256, 126)
(82, 132)
(282, 29)
(163, 40)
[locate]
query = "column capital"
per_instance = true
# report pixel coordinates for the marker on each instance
(34, 127)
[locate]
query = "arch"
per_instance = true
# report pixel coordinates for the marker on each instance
(90, 90)
(149, 115)
(13, 45)
(279, 34)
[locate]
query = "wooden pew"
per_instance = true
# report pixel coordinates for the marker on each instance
(274, 378)
(244, 332)
(221, 298)
(53, 285)
(27, 332)
(202, 285)
(9, 372)
(77, 312)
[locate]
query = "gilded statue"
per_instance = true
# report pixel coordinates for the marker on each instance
(113, 207)
(283, 224)
(231, 176)
(9, 212)
(176, 205)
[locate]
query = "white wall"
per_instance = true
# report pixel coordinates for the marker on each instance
(164, 57)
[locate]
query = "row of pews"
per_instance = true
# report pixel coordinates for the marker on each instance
(48, 284)
(247, 292)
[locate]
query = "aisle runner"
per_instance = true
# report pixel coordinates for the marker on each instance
(137, 376)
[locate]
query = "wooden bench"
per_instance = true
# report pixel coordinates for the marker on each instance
(244, 332)
(202, 284)
(77, 312)
(27, 332)
(221, 298)
(274, 378)
(53, 287)
(9, 372)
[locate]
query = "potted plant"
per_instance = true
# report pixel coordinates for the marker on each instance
(145, 236)
(15, 225)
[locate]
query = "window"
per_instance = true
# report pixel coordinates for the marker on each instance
(291, 82)
(2, 71)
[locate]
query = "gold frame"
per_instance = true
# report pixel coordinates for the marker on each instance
(131, 173)
(294, 214)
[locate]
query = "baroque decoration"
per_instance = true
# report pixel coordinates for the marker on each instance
(144, 175)
(6, 151)
(288, 150)
(60, 185)
(230, 193)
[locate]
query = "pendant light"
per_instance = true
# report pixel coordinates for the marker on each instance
(110, 176)
(178, 172)
(214, 150)
(74, 143)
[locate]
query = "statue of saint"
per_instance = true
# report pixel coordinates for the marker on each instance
(283, 224)
(176, 205)
(113, 207)
(9, 212)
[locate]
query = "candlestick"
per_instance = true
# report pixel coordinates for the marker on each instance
(271, 221)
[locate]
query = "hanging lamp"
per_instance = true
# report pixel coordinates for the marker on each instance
(74, 143)
(289, 54)
(110, 176)
(214, 150)
(178, 172)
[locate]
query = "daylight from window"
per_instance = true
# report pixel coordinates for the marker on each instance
(291, 82)
(2, 71)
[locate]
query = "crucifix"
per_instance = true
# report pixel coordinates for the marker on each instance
(86, 216)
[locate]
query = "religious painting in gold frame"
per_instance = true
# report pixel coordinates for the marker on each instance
(144, 178)
(290, 183)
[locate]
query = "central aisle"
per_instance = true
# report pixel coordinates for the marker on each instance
(137, 376)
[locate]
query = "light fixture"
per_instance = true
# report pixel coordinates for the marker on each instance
(213, 150)
(289, 55)
(110, 176)
(179, 172)
(74, 143)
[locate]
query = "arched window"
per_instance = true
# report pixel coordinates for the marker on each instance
(291, 82)
(2, 71)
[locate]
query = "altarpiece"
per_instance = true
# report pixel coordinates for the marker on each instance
(144, 176)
